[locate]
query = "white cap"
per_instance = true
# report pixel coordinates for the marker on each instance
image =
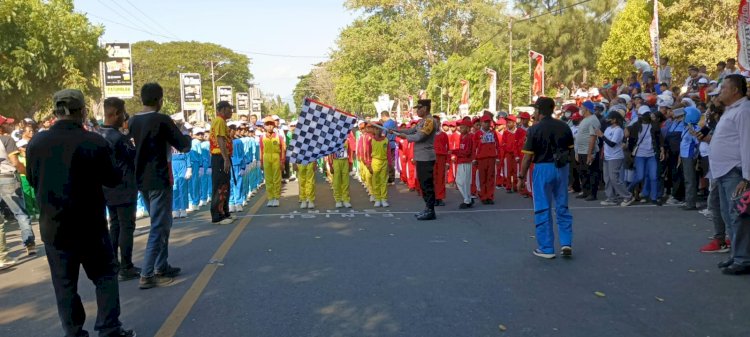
(644, 109)
(198, 129)
(665, 100)
(715, 92)
(702, 80)
(188, 126)
(713, 82)
(276, 117)
(687, 101)
(625, 97)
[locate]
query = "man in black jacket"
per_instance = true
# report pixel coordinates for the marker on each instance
(121, 199)
(68, 166)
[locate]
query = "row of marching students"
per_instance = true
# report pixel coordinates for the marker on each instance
(477, 156)
(191, 171)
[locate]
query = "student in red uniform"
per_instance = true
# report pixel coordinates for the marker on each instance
(402, 156)
(464, 153)
(513, 139)
(487, 148)
(442, 156)
(410, 164)
(475, 126)
(454, 139)
(500, 175)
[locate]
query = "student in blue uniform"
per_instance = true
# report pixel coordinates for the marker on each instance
(247, 145)
(196, 165)
(238, 170)
(181, 173)
(206, 163)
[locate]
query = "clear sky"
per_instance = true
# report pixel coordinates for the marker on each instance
(283, 27)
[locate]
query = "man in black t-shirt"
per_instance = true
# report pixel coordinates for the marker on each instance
(548, 146)
(154, 135)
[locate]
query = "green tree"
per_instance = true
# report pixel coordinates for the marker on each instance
(696, 32)
(629, 36)
(163, 62)
(276, 106)
(570, 38)
(45, 46)
(317, 84)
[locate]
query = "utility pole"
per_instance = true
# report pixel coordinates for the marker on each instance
(213, 88)
(510, 65)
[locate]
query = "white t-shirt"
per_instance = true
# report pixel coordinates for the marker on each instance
(646, 149)
(615, 134)
(642, 66)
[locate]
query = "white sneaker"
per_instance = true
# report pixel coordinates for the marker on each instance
(310, 205)
(303, 204)
(192, 208)
(6, 264)
(276, 203)
(377, 203)
(175, 214)
(208, 201)
(201, 204)
(231, 209)
(347, 204)
(384, 203)
(339, 204)
(244, 203)
(372, 198)
(238, 208)
(608, 203)
(270, 203)
(183, 213)
(140, 215)
(225, 221)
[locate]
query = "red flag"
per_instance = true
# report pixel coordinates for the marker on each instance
(538, 84)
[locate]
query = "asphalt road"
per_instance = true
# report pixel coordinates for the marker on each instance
(379, 272)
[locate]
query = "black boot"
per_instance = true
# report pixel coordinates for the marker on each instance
(427, 215)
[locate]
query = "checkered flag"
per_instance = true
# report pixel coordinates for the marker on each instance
(321, 130)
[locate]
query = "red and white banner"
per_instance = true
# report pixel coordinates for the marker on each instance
(463, 108)
(654, 32)
(537, 87)
(493, 88)
(743, 36)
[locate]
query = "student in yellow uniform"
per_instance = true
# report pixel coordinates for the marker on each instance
(272, 157)
(377, 165)
(306, 178)
(340, 165)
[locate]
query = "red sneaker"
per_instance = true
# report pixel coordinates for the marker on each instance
(715, 246)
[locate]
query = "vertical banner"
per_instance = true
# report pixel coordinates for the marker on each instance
(118, 71)
(537, 87)
(243, 103)
(463, 108)
(384, 103)
(493, 89)
(190, 92)
(224, 93)
(255, 106)
(743, 36)
(654, 32)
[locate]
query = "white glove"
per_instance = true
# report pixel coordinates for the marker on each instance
(208, 170)
(242, 172)
(188, 173)
(201, 171)
(248, 167)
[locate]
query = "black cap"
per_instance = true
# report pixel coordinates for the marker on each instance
(223, 104)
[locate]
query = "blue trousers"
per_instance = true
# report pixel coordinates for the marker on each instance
(235, 192)
(206, 186)
(551, 183)
(180, 186)
(645, 169)
(195, 186)
(245, 185)
(141, 204)
(158, 205)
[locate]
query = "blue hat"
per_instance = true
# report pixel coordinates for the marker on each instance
(692, 115)
(589, 105)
